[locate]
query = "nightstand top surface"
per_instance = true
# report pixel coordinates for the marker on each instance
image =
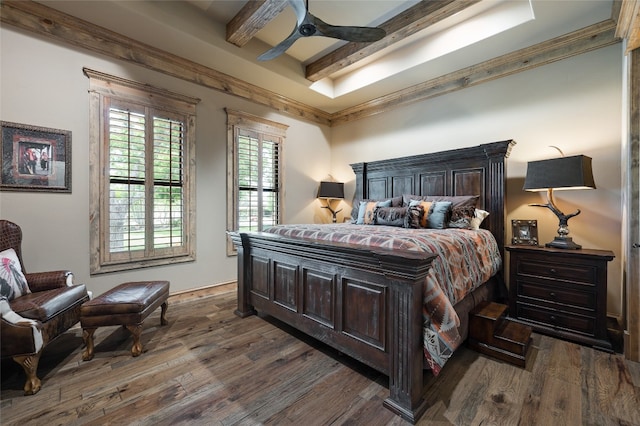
(566, 252)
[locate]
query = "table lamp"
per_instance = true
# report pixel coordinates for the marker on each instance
(331, 190)
(560, 174)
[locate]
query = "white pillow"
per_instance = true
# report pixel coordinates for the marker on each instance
(478, 217)
(12, 281)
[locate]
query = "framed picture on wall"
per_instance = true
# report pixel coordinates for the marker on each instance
(35, 158)
(524, 232)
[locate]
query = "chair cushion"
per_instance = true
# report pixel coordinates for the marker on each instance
(44, 305)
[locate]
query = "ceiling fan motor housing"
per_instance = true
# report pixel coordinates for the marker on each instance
(307, 30)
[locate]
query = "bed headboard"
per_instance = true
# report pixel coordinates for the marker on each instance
(478, 170)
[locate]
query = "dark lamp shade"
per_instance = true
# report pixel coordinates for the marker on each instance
(560, 173)
(331, 190)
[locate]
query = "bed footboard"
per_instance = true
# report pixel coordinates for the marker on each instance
(365, 302)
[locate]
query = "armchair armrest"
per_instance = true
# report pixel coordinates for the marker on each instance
(20, 336)
(40, 281)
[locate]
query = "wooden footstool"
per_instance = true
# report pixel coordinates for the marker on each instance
(127, 304)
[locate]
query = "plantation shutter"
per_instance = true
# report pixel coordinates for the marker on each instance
(126, 180)
(258, 159)
(145, 181)
(168, 181)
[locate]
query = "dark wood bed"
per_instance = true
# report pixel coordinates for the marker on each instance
(314, 286)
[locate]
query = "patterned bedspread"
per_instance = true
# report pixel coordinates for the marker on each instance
(467, 258)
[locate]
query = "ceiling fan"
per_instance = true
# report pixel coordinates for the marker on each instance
(308, 25)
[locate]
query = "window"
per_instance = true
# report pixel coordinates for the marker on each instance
(142, 170)
(255, 187)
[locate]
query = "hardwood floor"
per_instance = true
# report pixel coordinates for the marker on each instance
(209, 367)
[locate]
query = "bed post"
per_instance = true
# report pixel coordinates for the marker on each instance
(241, 242)
(406, 352)
(359, 170)
(496, 153)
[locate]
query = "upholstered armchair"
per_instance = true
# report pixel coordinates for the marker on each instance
(35, 308)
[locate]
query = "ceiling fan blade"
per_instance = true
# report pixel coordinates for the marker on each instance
(281, 47)
(300, 10)
(348, 33)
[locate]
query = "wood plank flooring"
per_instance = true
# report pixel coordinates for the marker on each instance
(209, 367)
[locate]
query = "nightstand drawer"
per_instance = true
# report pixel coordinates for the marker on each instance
(554, 319)
(566, 271)
(560, 295)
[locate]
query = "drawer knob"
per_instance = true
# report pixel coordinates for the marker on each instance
(552, 318)
(553, 270)
(552, 294)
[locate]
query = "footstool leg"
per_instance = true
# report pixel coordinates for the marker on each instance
(163, 314)
(136, 330)
(87, 336)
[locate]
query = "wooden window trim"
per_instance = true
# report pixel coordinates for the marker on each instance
(103, 89)
(241, 120)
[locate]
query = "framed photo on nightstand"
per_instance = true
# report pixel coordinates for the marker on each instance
(524, 232)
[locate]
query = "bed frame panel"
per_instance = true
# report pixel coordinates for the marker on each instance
(367, 302)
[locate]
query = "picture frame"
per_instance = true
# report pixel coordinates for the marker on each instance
(524, 232)
(35, 159)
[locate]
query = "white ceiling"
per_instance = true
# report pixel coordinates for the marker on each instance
(411, 63)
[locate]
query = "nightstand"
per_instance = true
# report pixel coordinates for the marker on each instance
(561, 292)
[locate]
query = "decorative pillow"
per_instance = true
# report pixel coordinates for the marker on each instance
(366, 211)
(396, 202)
(438, 215)
(12, 282)
(414, 216)
(478, 217)
(355, 211)
(426, 206)
(456, 201)
(391, 216)
(461, 217)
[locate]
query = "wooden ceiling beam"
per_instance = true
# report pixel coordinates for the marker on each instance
(401, 26)
(253, 16)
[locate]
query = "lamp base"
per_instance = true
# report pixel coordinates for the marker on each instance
(334, 213)
(563, 243)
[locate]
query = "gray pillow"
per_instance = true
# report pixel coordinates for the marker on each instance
(438, 215)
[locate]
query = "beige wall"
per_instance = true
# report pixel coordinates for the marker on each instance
(42, 84)
(575, 104)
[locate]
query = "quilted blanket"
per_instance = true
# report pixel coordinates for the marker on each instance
(466, 259)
